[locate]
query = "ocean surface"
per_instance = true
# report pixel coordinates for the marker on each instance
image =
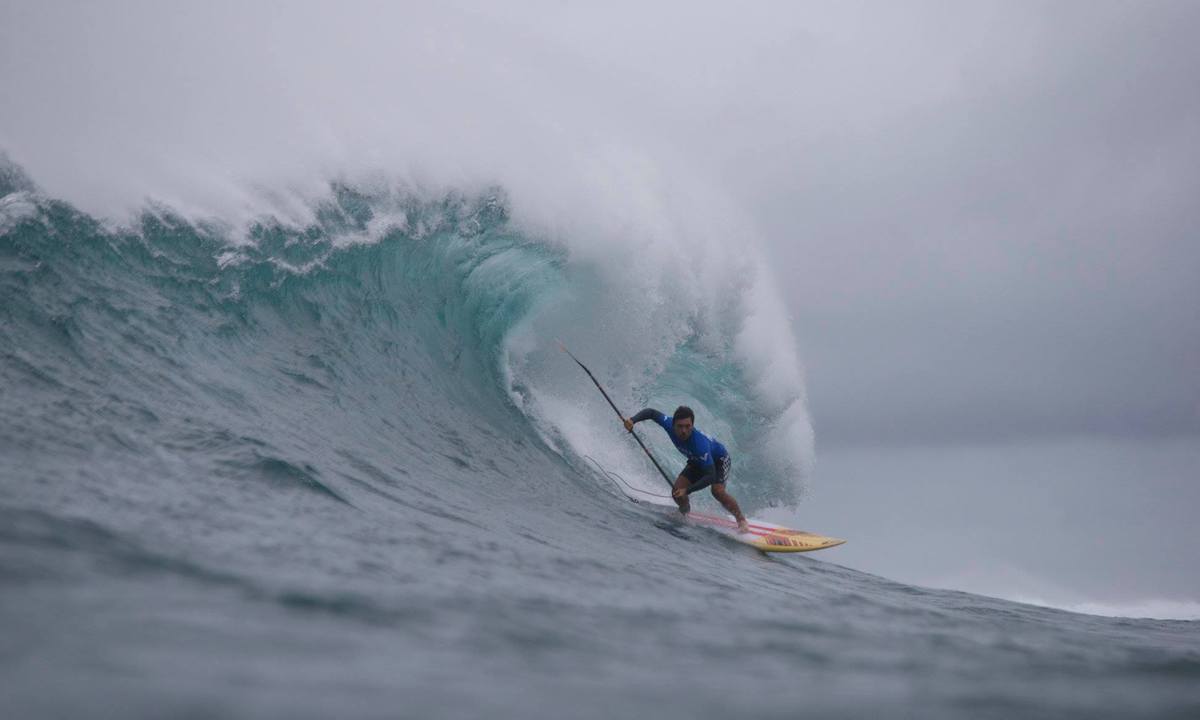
(339, 468)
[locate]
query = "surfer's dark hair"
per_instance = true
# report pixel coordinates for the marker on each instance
(683, 412)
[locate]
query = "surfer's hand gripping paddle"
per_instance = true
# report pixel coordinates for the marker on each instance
(626, 421)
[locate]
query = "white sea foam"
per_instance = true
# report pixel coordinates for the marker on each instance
(1152, 608)
(677, 268)
(16, 207)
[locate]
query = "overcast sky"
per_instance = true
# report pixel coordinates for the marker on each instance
(983, 215)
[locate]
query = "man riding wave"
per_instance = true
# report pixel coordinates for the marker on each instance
(707, 460)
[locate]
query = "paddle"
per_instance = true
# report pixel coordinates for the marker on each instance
(618, 412)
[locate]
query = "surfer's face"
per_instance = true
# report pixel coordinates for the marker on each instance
(683, 428)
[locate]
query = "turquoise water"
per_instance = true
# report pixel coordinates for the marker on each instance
(337, 469)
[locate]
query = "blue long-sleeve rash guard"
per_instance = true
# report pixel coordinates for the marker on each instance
(699, 448)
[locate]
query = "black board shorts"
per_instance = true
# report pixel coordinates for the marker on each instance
(695, 472)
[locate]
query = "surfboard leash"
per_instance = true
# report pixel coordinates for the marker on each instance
(610, 475)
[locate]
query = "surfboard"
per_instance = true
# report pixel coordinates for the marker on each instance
(765, 536)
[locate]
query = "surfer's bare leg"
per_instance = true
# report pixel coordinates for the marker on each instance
(679, 494)
(727, 501)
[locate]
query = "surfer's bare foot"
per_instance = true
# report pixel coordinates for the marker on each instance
(743, 526)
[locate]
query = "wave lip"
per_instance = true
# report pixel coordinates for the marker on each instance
(13, 178)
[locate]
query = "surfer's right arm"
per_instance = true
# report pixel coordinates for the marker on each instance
(647, 414)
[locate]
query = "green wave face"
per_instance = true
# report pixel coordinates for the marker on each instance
(387, 318)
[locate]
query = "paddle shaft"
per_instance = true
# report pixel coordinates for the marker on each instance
(613, 405)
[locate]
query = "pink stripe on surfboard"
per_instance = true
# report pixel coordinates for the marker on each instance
(759, 530)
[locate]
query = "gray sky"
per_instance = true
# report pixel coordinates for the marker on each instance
(1020, 255)
(982, 214)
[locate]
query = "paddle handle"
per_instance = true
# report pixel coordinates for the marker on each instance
(613, 405)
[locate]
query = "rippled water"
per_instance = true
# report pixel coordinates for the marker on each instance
(294, 477)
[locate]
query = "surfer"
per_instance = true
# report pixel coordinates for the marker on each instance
(707, 460)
